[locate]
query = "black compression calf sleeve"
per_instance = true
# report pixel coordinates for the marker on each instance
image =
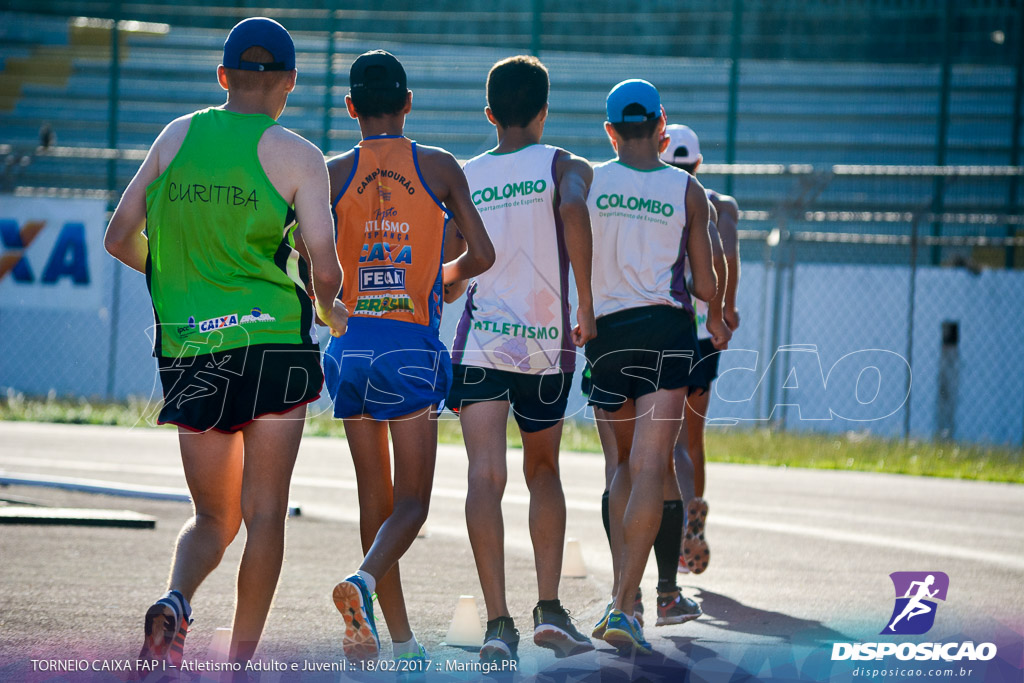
(666, 544)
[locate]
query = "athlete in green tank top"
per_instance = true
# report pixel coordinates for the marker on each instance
(208, 218)
(214, 288)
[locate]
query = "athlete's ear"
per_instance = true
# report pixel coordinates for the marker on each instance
(696, 166)
(351, 107)
(408, 103)
(291, 80)
(610, 130)
(490, 116)
(543, 114)
(222, 76)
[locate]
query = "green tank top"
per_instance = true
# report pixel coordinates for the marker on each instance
(222, 270)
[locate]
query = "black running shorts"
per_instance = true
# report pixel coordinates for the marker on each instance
(708, 360)
(639, 351)
(226, 390)
(538, 401)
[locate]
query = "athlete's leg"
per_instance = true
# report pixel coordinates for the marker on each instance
(683, 465)
(547, 506)
(606, 434)
(670, 530)
(696, 415)
(483, 429)
(368, 441)
(656, 425)
(619, 428)
(415, 441)
(694, 548)
(213, 471)
(271, 444)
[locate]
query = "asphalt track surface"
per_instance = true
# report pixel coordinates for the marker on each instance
(800, 560)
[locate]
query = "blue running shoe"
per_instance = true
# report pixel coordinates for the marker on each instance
(355, 603)
(625, 634)
(412, 666)
(600, 626)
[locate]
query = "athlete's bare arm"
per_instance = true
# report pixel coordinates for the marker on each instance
(715, 306)
(454, 247)
(311, 200)
(698, 248)
(574, 176)
(124, 238)
(728, 222)
(446, 180)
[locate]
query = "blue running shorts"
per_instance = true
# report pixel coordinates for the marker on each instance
(386, 369)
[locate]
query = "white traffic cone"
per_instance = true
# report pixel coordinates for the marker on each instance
(572, 560)
(466, 630)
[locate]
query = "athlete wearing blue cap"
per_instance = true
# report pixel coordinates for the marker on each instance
(210, 218)
(648, 218)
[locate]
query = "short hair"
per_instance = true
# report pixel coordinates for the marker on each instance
(636, 130)
(261, 81)
(371, 103)
(517, 90)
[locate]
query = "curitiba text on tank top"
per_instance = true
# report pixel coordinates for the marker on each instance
(224, 195)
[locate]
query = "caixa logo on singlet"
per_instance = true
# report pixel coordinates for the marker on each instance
(219, 323)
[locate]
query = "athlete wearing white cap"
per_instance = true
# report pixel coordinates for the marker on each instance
(683, 151)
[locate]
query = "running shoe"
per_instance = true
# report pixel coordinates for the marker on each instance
(601, 625)
(638, 607)
(673, 608)
(553, 629)
(695, 547)
(355, 603)
(165, 628)
(501, 641)
(625, 634)
(412, 666)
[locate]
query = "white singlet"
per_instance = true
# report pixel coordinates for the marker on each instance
(517, 313)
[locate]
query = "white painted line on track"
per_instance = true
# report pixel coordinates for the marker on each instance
(835, 535)
(1015, 562)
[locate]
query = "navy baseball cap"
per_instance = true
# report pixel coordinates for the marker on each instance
(261, 32)
(633, 101)
(377, 70)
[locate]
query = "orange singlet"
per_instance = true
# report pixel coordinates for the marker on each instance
(390, 235)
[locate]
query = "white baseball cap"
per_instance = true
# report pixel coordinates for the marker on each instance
(683, 145)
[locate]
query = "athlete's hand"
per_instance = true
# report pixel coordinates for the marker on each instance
(336, 318)
(732, 318)
(720, 333)
(586, 327)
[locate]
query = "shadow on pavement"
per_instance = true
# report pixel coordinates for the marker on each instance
(724, 612)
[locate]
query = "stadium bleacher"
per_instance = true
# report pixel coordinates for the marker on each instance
(817, 113)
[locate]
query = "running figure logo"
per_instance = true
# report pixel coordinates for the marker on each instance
(916, 592)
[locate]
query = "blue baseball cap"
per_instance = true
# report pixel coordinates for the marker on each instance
(261, 32)
(633, 101)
